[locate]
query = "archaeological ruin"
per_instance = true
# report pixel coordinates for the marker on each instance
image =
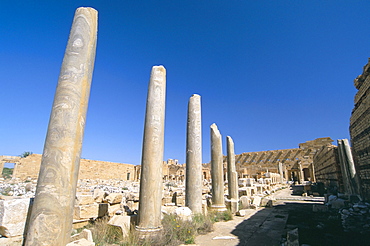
(360, 130)
(58, 191)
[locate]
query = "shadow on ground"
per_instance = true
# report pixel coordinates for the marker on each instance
(270, 225)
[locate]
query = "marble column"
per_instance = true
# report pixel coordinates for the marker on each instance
(312, 173)
(301, 175)
(280, 167)
(232, 176)
(217, 172)
(52, 213)
(150, 197)
(349, 175)
(193, 185)
(351, 167)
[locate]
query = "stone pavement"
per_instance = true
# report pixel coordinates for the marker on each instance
(263, 226)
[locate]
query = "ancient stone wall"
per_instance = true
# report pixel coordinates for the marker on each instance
(89, 169)
(360, 130)
(327, 168)
(250, 164)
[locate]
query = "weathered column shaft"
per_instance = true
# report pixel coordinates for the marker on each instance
(343, 166)
(52, 212)
(193, 192)
(300, 173)
(150, 198)
(217, 172)
(348, 167)
(280, 167)
(232, 176)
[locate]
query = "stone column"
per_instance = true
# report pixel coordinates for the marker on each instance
(52, 212)
(312, 173)
(194, 184)
(351, 166)
(280, 167)
(344, 170)
(350, 179)
(232, 176)
(2, 166)
(150, 197)
(300, 171)
(217, 172)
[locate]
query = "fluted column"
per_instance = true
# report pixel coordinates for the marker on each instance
(193, 192)
(217, 172)
(150, 198)
(232, 176)
(52, 212)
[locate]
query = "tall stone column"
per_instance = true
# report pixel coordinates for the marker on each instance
(280, 167)
(52, 212)
(217, 172)
(150, 197)
(350, 178)
(300, 173)
(193, 182)
(312, 173)
(232, 176)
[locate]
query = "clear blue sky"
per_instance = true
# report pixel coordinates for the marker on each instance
(272, 74)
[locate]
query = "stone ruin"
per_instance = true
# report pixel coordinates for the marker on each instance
(64, 198)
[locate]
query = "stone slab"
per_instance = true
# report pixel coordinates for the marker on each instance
(13, 215)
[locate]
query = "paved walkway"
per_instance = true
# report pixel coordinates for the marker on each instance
(263, 226)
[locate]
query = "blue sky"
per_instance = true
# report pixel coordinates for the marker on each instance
(272, 74)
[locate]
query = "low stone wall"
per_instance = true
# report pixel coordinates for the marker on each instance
(28, 168)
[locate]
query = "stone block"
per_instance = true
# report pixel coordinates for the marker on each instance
(257, 201)
(241, 212)
(85, 233)
(293, 238)
(266, 202)
(113, 208)
(133, 205)
(13, 241)
(180, 200)
(86, 211)
(99, 195)
(13, 215)
(84, 199)
(244, 202)
(184, 213)
(103, 209)
(114, 198)
(121, 221)
(81, 242)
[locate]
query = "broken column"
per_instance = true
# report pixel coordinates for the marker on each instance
(217, 171)
(232, 176)
(150, 198)
(52, 212)
(194, 184)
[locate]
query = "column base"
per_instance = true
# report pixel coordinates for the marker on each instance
(143, 229)
(218, 208)
(147, 232)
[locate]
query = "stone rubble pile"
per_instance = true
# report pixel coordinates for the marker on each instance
(356, 218)
(17, 189)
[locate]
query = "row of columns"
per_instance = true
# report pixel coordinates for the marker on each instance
(51, 216)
